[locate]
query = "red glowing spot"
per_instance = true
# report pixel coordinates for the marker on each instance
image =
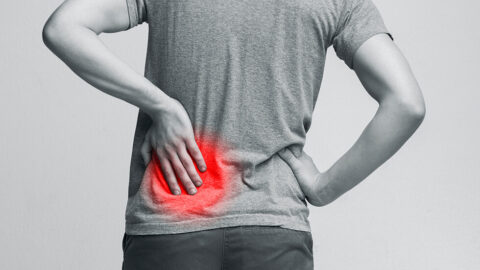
(215, 187)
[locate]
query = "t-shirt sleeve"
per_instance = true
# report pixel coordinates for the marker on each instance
(359, 21)
(137, 12)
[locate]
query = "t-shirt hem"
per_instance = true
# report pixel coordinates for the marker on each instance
(150, 228)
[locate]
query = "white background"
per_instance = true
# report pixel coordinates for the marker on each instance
(65, 151)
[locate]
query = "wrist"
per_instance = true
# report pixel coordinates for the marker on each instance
(326, 192)
(158, 107)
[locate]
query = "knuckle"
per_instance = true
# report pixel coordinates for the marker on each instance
(171, 181)
(193, 148)
(191, 143)
(194, 176)
(189, 185)
(176, 142)
(178, 167)
(198, 179)
(192, 171)
(168, 176)
(162, 156)
(172, 184)
(184, 158)
(185, 178)
(197, 155)
(166, 173)
(169, 149)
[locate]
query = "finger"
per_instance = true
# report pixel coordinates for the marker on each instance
(189, 167)
(182, 173)
(146, 151)
(169, 174)
(196, 154)
(289, 157)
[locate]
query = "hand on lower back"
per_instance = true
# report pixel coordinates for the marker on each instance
(171, 138)
(313, 183)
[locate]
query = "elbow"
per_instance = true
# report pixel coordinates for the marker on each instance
(419, 111)
(56, 28)
(416, 109)
(51, 33)
(411, 106)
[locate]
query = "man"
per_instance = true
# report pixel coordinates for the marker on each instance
(219, 178)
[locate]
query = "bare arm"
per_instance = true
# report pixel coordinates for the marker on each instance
(72, 33)
(387, 77)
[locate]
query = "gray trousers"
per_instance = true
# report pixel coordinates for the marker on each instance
(229, 248)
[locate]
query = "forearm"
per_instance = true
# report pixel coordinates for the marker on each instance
(388, 130)
(83, 51)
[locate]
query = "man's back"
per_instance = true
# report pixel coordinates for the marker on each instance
(248, 73)
(232, 85)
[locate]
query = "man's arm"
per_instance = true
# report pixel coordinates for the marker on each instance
(72, 32)
(387, 77)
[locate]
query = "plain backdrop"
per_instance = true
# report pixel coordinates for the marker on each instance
(65, 151)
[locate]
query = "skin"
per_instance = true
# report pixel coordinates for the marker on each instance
(387, 77)
(72, 33)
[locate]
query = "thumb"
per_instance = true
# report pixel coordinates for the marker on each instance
(146, 151)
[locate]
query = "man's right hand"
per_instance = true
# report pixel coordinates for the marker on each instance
(171, 138)
(71, 32)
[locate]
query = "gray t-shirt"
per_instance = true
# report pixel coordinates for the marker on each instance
(248, 73)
